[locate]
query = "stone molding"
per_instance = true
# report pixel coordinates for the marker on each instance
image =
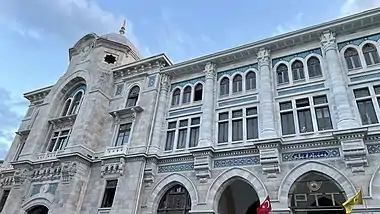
(328, 41)
(263, 57)
(115, 167)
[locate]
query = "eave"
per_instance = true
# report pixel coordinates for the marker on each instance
(38, 94)
(341, 26)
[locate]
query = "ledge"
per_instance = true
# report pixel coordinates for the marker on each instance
(70, 119)
(125, 111)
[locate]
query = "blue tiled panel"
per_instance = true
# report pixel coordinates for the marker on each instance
(176, 167)
(240, 161)
(185, 111)
(358, 41)
(365, 77)
(373, 148)
(316, 154)
(237, 101)
(301, 54)
(234, 70)
(191, 82)
(301, 89)
(151, 81)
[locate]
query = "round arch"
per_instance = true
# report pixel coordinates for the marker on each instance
(374, 184)
(226, 178)
(305, 167)
(44, 200)
(165, 184)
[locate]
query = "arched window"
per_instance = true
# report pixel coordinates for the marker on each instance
(176, 95)
(224, 86)
(186, 95)
(250, 80)
(198, 92)
(352, 58)
(76, 102)
(297, 70)
(371, 55)
(282, 74)
(314, 67)
(66, 107)
(133, 96)
(237, 83)
(176, 200)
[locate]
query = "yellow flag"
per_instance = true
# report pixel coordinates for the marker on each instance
(356, 200)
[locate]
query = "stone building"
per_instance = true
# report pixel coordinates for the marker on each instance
(295, 117)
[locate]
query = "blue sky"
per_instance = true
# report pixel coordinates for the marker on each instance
(35, 35)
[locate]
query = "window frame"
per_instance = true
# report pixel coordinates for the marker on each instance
(101, 200)
(137, 97)
(176, 131)
(173, 94)
(246, 80)
(300, 71)
(374, 99)
(67, 112)
(308, 65)
(237, 83)
(282, 71)
(227, 85)
(370, 54)
(350, 57)
(189, 95)
(58, 137)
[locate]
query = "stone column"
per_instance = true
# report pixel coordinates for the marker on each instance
(266, 111)
(338, 86)
(155, 147)
(206, 129)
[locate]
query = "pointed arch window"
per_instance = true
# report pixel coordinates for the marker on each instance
(250, 81)
(73, 101)
(198, 92)
(237, 84)
(175, 98)
(186, 95)
(314, 67)
(133, 96)
(224, 86)
(371, 55)
(297, 70)
(352, 58)
(176, 200)
(282, 74)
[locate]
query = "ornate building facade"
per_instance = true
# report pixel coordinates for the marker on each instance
(295, 117)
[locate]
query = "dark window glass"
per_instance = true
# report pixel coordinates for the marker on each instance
(297, 70)
(287, 123)
(123, 134)
(198, 92)
(176, 95)
(175, 201)
(361, 92)
(323, 118)
(186, 95)
(109, 193)
(75, 104)
(133, 96)
(224, 86)
(237, 84)
(4, 198)
(223, 132)
(367, 112)
(169, 140)
(286, 105)
(250, 81)
(304, 120)
(237, 130)
(282, 74)
(352, 58)
(370, 54)
(314, 67)
(252, 128)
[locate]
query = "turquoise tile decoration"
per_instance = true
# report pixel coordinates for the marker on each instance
(176, 167)
(359, 41)
(237, 101)
(301, 89)
(151, 81)
(300, 54)
(240, 161)
(230, 72)
(316, 154)
(185, 111)
(373, 148)
(365, 77)
(191, 82)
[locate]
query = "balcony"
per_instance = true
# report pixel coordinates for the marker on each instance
(116, 150)
(47, 156)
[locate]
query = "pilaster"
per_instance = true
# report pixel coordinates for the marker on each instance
(338, 86)
(270, 157)
(267, 110)
(155, 146)
(206, 129)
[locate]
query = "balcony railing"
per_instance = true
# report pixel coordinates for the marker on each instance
(116, 150)
(47, 156)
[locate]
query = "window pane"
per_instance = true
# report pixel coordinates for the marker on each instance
(320, 100)
(238, 113)
(109, 193)
(172, 125)
(198, 92)
(286, 105)
(223, 132)
(377, 89)
(182, 138)
(251, 111)
(302, 102)
(223, 116)
(287, 123)
(362, 92)
(224, 86)
(237, 84)
(252, 128)
(183, 123)
(169, 140)
(323, 118)
(368, 59)
(367, 112)
(237, 130)
(304, 121)
(195, 121)
(194, 136)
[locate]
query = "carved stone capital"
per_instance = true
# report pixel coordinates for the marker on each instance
(263, 57)
(68, 170)
(328, 41)
(165, 81)
(210, 69)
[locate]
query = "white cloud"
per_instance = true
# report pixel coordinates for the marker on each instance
(354, 6)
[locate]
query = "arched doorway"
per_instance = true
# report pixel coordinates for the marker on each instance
(175, 201)
(316, 193)
(38, 210)
(238, 198)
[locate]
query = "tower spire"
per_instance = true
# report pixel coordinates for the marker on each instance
(122, 29)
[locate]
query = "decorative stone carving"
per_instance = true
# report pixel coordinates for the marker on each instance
(44, 188)
(20, 175)
(6, 181)
(150, 171)
(269, 158)
(63, 122)
(68, 171)
(328, 40)
(165, 79)
(263, 56)
(45, 173)
(210, 68)
(113, 168)
(354, 149)
(203, 165)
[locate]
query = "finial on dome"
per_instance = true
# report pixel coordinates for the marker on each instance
(122, 29)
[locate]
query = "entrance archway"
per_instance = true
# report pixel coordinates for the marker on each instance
(175, 201)
(38, 210)
(316, 193)
(238, 198)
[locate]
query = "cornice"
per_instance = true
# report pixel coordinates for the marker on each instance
(341, 26)
(39, 94)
